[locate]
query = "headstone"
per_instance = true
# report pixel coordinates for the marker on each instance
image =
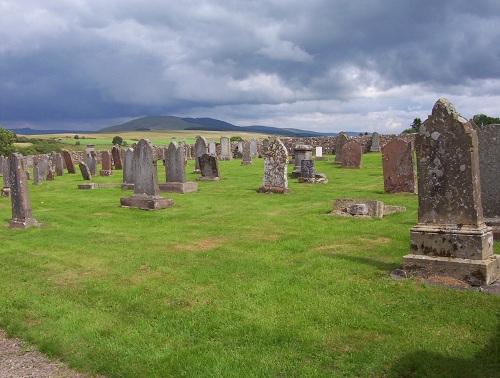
(253, 148)
(146, 191)
(128, 174)
(184, 148)
(489, 167)
(275, 169)
(307, 169)
(51, 171)
(209, 168)
(200, 148)
(6, 177)
(90, 148)
(398, 164)
(212, 150)
(91, 161)
(85, 170)
(451, 238)
(319, 152)
(225, 149)
(106, 164)
(175, 171)
(37, 177)
(339, 144)
(301, 152)
(116, 154)
(22, 214)
(349, 207)
(247, 153)
(59, 164)
(265, 145)
(1, 165)
(68, 160)
(375, 147)
(351, 155)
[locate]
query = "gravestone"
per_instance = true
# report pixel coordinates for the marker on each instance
(85, 170)
(116, 154)
(22, 214)
(451, 238)
(6, 177)
(352, 155)
(175, 171)
(247, 153)
(225, 149)
(209, 168)
(1, 165)
(375, 147)
(146, 192)
(254, 151)
(489, 167)
(339, 144)
(91, 161)
(307, 169)
(68, 161)
(128, 174)
(301, 152)
(59, 164)
(37, 170)
(275, 169)
(398, 164)
(212, 150)
(265, 146)
(200, 148)
(106, 164)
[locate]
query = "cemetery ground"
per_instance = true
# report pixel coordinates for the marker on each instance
(229, 282)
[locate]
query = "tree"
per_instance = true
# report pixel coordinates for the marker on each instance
(417, 122)
(483, 120)
(7, 139)
(76, 137)
(117, 140)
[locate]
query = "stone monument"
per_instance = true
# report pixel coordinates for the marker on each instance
(116, 154)
(225, 149)
(200, 148)
(247, 153)
(68, 160)
(352, 155)
(301, 152)
(398, 164)
(106, 164)
(339, 144)
(175, 171)
(209, 168)
(275, 169)
(128, 174)
(375, 146)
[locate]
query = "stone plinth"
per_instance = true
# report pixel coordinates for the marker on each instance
(178, 187)
(87, 186)
(301, 152)
(146, 202)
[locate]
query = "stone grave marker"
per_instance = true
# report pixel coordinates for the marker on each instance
(352, 155)
(225, 149)
(339, 144)
(128, 173)
(301, 152)
(212, 150)
(175, 171)
(1, 165)
(375, 146)
(116, 154)
(91, 161)
(275, 169)
(59, 164)
(247, 153)
(200, 148)
(254, 151)
(146, 191)
(106, 164)
(398, 164)
(69, 162)
(85, 170)
(22, 214)
(6, 177)
(451, 238)
(209, 168)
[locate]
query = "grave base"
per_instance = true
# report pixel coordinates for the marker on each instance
(24, 223)
(146, 202)
(208, 178)
(474, 272)
(273, 190)
(295, 174)
(87, 186)
(127, 186)
(178, 187)
(246, 162)
(105, 173)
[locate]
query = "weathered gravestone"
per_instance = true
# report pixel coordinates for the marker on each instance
(106, 164)
(69, 162)
(1, 165)
(275, 169)
(339, 144)
(308, 175)
(40, 165)
(375, 146)
(398, 164)
(209, 168)
(85, 170)
(225, 149)
(6, 177)
(212, 150)
(22, 214)
(91, 161)
(265, 146)
(116, 154)
(146, 192)
(352, 155)
(200, 148)
(489, 167)
(175, 171)
(451, 238)
(301, 152)
(59, 164)
(128, 173)
(319, 154)
(247, 154)
(254, 151)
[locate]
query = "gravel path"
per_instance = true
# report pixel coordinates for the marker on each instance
(19, 359)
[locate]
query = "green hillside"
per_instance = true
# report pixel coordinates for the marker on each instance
(150, 123)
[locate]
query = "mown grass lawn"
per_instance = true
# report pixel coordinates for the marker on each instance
(233, 283)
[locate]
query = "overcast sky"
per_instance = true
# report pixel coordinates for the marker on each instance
(323, 65)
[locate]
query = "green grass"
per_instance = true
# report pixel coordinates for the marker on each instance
(229, 282)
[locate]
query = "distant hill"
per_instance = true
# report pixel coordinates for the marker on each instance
(30, 131)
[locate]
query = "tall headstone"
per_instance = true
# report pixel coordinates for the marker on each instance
(22, 214)
(68, 160)
(116, 154)
(247, 153)
(209, 168)
(6, 177)
(339, 144)
(275, 169)
(106, 164)
(200, 148)
(85, 170)
(128, 173)
(146, 191)
(254, 151)
(301, 152)
(212, 150)
(59, 164)
(265, 145)
(91, 161)
(175, 171)
(451, 238)
(398, 164)
(489, 167)
(225, 149)
(375, 147)
(352, 154)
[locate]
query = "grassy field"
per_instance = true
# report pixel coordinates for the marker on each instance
(232, 283)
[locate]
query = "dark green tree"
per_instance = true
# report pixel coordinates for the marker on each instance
(117, 140)
(483, 120)
(417, 122)
(7, 139)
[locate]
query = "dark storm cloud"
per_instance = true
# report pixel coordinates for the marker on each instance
(324, 65)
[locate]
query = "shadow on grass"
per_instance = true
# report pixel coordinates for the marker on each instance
(426, 364)
(388, 267)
